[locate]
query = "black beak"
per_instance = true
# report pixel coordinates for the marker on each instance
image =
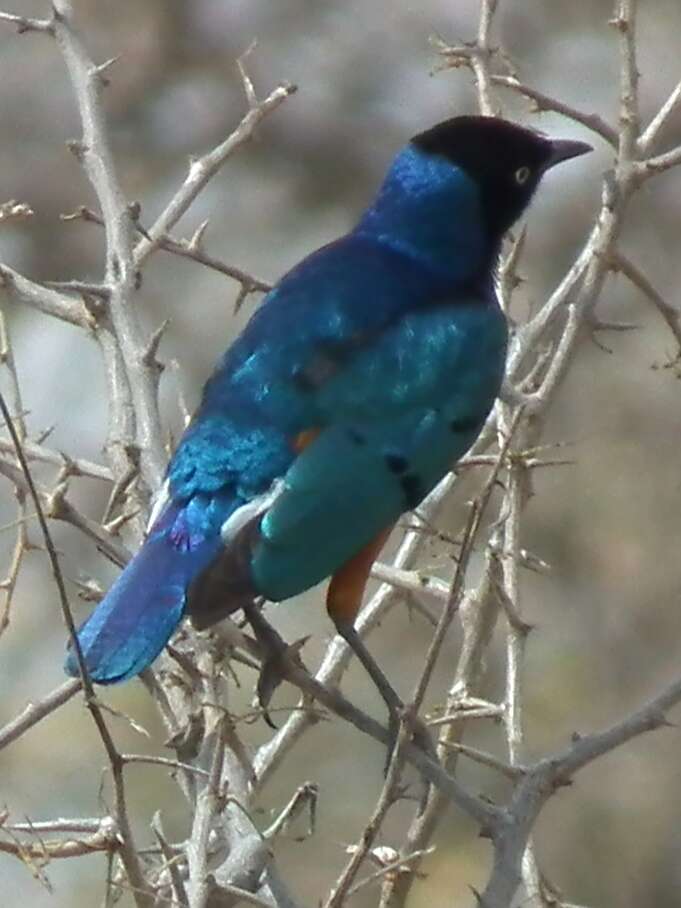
(564, 149)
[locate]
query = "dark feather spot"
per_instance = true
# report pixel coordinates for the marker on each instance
(413, 491)
(396, 463)
(464, 425)
(320, 368)
(303, 380)
(327, 360)
(356, 437)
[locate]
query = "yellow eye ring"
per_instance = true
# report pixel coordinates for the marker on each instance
(522, 175)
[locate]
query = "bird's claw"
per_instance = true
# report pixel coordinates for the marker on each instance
(273, 669)
(418, 732)
(419, 735)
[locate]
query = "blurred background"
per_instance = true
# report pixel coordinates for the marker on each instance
(607, 619)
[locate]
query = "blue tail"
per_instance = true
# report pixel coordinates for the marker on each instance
(134, 621)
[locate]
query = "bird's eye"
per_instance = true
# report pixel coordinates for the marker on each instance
(522, 175)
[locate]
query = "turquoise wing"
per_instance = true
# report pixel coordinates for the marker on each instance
(397, 416)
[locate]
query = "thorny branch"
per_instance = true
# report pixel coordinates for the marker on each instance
(226, 858)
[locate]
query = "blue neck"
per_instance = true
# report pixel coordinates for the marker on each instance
(430, 210)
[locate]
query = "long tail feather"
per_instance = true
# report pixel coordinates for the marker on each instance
(134, 621)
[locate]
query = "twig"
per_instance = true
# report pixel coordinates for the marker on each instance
(93, 150)
(481, 58)
(179, 891)
(209, 799)
(542, 780)
(21, 544)
(103, 840)
(82, 824)
(333, 700)
(507, 563)
(143, 897)
(543, 102)
(659, 121)
(190, 249)
(204, 169)
(77, 466)
(669, 313)
(485, 759)
(49, 302)
(624, 21)
(387, 798)
(457, 586)
(152, 760)
(36, 712)
(15, 211)
(661, 163)
(304, 796)
(431, 590)
(400, 864)
(28, 24)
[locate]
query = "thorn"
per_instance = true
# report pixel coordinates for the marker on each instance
(561, 782)
(195, 243)
(88, 590)
(240, 297)
(6, 279)
(98, 72)
(55, 506)
(13, 210)
(67, 468)
(77, 148)
(134, 210)
(113, 526)
(134, 454)
(599, 343)
(600, 325)
(82, 213)
(246, 81)
(659, 720)
(149, 355)
(185, 663)
(134, 724)
(477, 895)
(533, 562)
(511, 611)
(93, 308)
(44, 434)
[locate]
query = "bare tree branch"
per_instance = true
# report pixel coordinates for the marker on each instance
(204, 169)
(36, 712)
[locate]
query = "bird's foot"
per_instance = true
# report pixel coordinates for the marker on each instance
(275, 654)
(273, 672)
(417, 732)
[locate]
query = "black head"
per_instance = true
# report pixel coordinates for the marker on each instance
(505, 160)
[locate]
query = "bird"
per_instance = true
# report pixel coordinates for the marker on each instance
(365, 374)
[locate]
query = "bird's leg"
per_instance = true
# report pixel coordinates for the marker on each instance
(274, 652)
(343, 601)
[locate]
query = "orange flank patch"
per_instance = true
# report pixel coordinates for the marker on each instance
(344, 596)
(304, 438)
